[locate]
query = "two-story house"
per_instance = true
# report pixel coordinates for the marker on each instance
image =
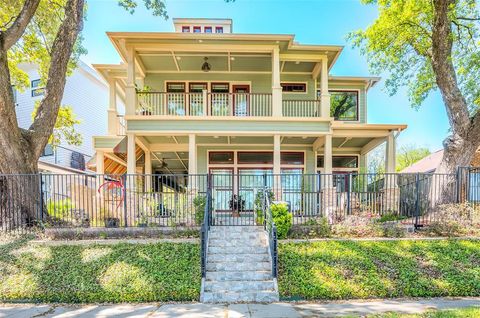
(84, 91)
(204, 99)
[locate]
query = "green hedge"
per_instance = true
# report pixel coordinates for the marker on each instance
(379, 269)
(100, 273)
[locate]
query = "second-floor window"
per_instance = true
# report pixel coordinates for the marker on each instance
(218, 29)
(343, 105)
(37, 90)
(294, 87)
(207, 29)
(197, 29)
(185, 29)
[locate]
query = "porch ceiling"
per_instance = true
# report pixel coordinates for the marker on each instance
(348, 143)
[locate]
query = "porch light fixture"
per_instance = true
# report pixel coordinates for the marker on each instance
(206, 67)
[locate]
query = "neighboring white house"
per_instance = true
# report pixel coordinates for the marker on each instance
(87, 94)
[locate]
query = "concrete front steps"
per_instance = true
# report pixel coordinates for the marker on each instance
(238, 266)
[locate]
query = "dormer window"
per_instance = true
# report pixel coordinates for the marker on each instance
(185, 29)
(208, 29)
(218, 29)
(197, 29)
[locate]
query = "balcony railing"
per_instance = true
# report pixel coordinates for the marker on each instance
(121, 129)
(204, 104)
(301, 108)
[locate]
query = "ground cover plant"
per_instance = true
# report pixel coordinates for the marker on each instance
(471, 312)
(99, 273)
(379, 269)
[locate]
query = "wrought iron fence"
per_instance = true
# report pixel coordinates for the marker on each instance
(173, 200)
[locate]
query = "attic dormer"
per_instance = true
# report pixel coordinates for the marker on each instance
(219, 26)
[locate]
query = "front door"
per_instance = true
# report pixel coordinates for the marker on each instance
(241, 100)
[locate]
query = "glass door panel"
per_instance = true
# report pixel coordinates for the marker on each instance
(241, 100)
(196, 98)
(250, 182)
(222, 188)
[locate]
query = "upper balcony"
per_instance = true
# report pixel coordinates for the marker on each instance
(221, 105)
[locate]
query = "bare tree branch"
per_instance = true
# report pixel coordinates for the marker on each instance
(62, 48)
(10, 36)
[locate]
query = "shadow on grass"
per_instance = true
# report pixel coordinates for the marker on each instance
(369, 269)
(100, 273)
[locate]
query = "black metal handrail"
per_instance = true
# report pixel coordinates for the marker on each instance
(271, 228)
(205, 228)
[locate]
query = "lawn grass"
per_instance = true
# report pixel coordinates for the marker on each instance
(379, 269)
(99, 273)
(472, 312)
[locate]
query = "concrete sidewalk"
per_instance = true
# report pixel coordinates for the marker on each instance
(277, 310)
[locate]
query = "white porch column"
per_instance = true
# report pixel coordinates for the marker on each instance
(276, 87)
(327, 154)
(391, 192)
(276, 154)
(100, 162)
(390, 159)
(277, 179)
(148, 171)
(192, 154)
(112, 108)
(325, 95)
(130, 93)
(131, 155)
(329, 193)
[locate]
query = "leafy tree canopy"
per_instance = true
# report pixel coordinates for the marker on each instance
(35, 46)
(409, 154)
(400, 41)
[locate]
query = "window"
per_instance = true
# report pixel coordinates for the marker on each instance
(185, 29)
(344, 105)
(197, 29)
(36, 89)
(47, 151)
(14, 92)
(175, 87)
(218, 29)
(220, 157)
(291, 158)
(197, 87)
(207, 29)
(339, 161)
(294, 87)
(220, 87)
(255, 157)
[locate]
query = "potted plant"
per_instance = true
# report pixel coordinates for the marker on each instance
(237, 205)
(110, 221)
(145, 108)
(142, 221)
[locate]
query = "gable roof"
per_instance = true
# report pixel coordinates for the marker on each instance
(426, 165)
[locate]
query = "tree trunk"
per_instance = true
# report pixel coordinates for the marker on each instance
(20, 185)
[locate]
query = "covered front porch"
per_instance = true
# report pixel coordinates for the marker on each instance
(297, 168)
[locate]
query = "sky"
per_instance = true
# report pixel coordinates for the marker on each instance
(312, 22)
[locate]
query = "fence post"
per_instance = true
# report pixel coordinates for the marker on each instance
(40, 190)
(459, 182)
(417, 200)
(124, 181)
(349, 193)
